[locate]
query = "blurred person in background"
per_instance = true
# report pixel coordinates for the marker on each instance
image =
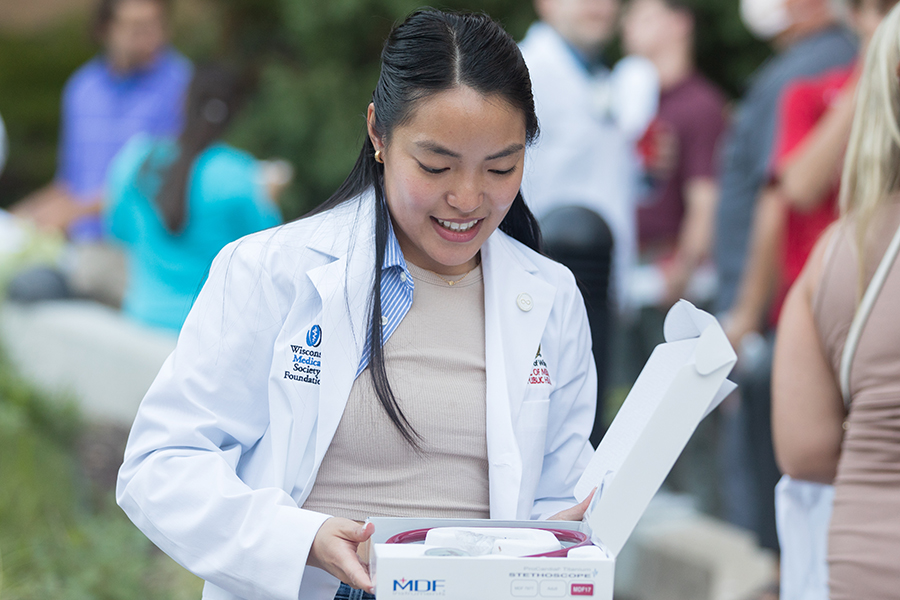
(809, 40)
(136, 85)
(582, 176)
(816, 437)
(800, 202)
(173, 203)
(677, 214)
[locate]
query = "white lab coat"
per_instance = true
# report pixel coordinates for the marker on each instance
(225, 448)
(586, 153)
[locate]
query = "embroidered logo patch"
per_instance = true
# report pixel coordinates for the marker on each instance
(306, 363)
(539, 373)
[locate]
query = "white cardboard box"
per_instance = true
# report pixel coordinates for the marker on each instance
(682, 382)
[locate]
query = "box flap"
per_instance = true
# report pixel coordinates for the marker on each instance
(684, 321)
(682, 382)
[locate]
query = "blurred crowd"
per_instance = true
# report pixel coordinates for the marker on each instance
(145, 191)
(649, 183)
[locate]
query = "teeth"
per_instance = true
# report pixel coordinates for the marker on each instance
(457, 226)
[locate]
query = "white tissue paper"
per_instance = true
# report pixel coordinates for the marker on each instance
(481, 541)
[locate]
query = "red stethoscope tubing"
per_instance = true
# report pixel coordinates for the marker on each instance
(577, 538)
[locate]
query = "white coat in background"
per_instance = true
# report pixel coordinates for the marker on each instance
(590, 123)
(226, 447)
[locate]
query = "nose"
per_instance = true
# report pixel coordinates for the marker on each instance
(467, 196)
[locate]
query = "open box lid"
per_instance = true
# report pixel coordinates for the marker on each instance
(682, 382)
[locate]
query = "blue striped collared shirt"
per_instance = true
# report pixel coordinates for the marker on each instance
(396, 294)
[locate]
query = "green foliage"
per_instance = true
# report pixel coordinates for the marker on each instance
(726, 52)
(55, 542)
(22, 406)
(33, 69)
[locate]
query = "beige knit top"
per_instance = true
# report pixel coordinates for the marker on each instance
(864, 534)
(436, 366)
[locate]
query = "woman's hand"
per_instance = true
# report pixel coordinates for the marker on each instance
(576, 513)
(335, 550)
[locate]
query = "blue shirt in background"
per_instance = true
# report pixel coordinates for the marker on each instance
(749, 143)
(102, 110)
(225, 201)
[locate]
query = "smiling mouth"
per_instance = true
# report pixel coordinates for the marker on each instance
(453, 226)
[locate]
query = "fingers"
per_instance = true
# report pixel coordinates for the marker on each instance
(587, 501)
(361, 533)
(357, 576)
(334, 550)
(576, 513)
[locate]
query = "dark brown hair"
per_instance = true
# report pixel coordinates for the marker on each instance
(106, 11)
(214, 96)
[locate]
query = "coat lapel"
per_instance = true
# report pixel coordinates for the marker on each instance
(344, 286)
(513, 332)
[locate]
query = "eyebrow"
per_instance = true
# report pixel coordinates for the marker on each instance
(438, 149)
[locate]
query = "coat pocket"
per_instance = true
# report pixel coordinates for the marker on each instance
(531, 434)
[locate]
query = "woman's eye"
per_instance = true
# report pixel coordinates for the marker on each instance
(431, 170)
(506, 172)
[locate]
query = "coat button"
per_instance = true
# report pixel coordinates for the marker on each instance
(525, 302)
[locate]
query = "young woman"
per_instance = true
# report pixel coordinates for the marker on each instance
(815, 437)
(174, 203)
(405, 351)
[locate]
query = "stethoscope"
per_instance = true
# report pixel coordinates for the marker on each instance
(576, 539)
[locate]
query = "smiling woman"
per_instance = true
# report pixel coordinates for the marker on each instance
(451, 174)
(419, 287)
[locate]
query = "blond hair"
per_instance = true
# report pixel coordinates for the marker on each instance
(871, 174)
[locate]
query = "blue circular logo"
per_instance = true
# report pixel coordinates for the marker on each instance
(314, 336)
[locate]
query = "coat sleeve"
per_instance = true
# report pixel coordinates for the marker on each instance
(208, 407)
(573, 403)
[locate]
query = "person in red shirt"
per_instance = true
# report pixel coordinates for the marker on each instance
(812, 207)
(800, 202)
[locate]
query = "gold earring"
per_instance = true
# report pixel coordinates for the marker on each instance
(378, 157)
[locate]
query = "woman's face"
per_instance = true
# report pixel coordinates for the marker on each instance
(136, 34)
(451, 174)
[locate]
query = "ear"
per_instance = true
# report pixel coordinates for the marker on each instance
(377, 142)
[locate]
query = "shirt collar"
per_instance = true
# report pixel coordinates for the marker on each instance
(156, 64)
(393, 255)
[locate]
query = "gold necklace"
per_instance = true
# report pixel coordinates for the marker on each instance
(452, 283)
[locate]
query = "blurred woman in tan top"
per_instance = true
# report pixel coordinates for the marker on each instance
(815, 437)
